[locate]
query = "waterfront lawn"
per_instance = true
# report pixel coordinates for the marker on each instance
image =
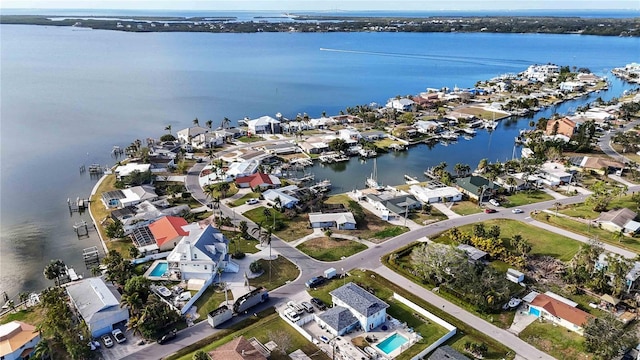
(542, 242)
(466, 208)
(482, 113)
(100, 212)
(385, 143)
(372, 228)
(243, 199)
(384, 289)
(526, 197)
(630, 243)
(250, 139)
(32, 315)
(330, 249)
(556, 341)
(212, 298)
(282, 272)
(294, 229)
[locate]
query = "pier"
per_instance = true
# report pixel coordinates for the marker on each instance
(91, 257)
(80, 205)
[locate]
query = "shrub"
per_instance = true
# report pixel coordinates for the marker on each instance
(238, 255)
(255, 267)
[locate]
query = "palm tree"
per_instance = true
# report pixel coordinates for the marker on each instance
(512, 183)
(209, 123)
(96, 271)
(200, 355)
(54, 270)
(557, 205)
(168, 128)
(225, 123)
(196, 122)
(458, 168)
(268, 213)
(277, 204)
(265, 237)
(224, 187)
(42, 349)
(23, 296)
(244, 228)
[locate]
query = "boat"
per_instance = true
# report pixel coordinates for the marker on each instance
(372, 182)
(366, 153)
(411, 180)
(323, 186)
(490, 125)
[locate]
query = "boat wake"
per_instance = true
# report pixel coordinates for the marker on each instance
(461, 59)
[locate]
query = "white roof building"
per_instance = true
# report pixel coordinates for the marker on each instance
(403, 104)
(262, 125)
(341, 221)
(126, 170)
(286, 200)
(185, 135)
(428, 196)
(245, 168)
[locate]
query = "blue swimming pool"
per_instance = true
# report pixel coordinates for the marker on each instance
(159, 270)
(391, 343)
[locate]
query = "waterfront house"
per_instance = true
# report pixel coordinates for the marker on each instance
(474, 186)
(564, 126)
(128, 197)
(370, 311)
(98, 305)
(263, 125)
(258, 180)
(403, 104)
(342, 119)
(287, 200)
(340, 221)
(350, 135)
(126, 169)
(321, 123)
(571, 86)
(425, 127)
(18, 340)
(198, 255)
(373, 135)
(619, 220)
(314, 145)
(517, 185)
(554, 174)
(242, 168)
(186, 135)
(559, 310)
(541, 72)
(230, 133)
(393, 202)
(437, 194)
(144, 213)
(284, 148)
(240, 349)
(168, 231)
(207, 140)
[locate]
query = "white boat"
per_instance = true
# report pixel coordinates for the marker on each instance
(372, 181)
(490, 125)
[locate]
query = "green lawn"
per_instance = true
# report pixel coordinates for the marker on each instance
(390, 232)
(525, 198)
(384, 290)
(334, 249)
(585, 211)
(422, 219)
(282, 271)
(542, 242)
(31, 316)
(247, 139)
(605, 236)
(271, 328)
(212, 298)
(556, 341)
(294, 228)
(247, 246)
(243, 199)
(466, 208)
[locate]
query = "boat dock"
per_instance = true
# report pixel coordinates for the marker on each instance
(80, 205)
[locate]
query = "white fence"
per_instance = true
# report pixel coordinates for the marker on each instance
(297, 325)
(452, 329)
(157, 256)
(195, 297)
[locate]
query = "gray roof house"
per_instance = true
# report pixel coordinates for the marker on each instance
(338, 320)
(397, 203)
(472, 186)
(447, 353)
(198, 255)
(370, 311)
(98, 305)
(617, 220)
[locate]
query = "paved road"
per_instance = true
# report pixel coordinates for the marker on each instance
(368, 259)
(605, 142)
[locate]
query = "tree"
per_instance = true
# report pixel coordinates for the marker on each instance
(225, 123)
(338, 144)
(55, 270)
(255, 267)
(196, 122)
(606, 337)
(42, 349)
(557, 206)
(134, 252)
(119, 270)
(167, 137)
(437, 262)
(512, 183)
(168, 128)
(224, 188)
(244, 229)
(201, 355)
(209, 123)
(600, 197)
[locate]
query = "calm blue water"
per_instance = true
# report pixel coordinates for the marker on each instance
(69, 96)
(391, 343)
(160, 269)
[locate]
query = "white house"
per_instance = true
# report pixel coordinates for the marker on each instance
(207, 140)
(18, 340)
(128, 197)
(434, 195)
(126, 170)
(321, 123)
(341, 221)
(554, 174)
(571, 86)
(370, 311)
(403, 104)
(424, 127)
(286, 199)
(263, 125)
(541, 72)
(198, 255)
(244, 168)
(98, 305)
(186, 135)
(349, 134)
(557, 309)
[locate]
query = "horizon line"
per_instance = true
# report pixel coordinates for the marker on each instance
(324, 10)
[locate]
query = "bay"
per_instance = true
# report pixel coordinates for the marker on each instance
(68, 96)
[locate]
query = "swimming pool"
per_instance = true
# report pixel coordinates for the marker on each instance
(159, 270)
(391, 343)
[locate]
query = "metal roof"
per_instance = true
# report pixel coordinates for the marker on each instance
(359, 299)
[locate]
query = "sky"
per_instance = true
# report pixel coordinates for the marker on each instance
(405, 5)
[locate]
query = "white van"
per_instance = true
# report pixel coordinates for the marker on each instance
(494, 202)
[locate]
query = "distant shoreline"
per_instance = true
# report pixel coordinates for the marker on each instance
(625, 27)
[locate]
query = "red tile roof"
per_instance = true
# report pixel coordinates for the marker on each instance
(167, 229)
(565, 127)
(255, 180)
(561, 310)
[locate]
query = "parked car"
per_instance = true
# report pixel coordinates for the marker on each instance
(168, 336)
(517, 211)
(252, 201)
(318, 303)
(106, 339)
(295, 307)
(308, 307)
(490, 211)
(494, 202)
(291, 314)
(315, 281)
(119, 336)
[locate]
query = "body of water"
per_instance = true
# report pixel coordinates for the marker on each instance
(68, 96)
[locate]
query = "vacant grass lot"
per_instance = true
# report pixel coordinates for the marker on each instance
(270, 328)
(585, 211)
(466, 208)
(250, 139)
(282, 271)
(212, 298)
(31, 316)
(525, 198)
(556, 341)
(372, 228)
(421, 218)
(330, 249)
(542, 242)
(604, 236)
(384, 290)
(294, 228)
